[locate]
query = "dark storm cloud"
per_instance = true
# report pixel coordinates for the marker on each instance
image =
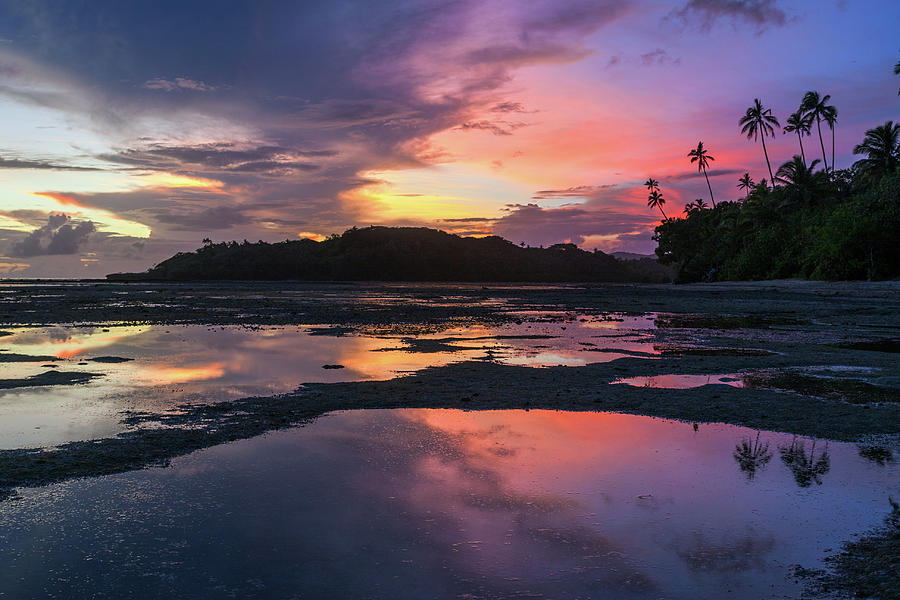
(761, 13)
(59, 236)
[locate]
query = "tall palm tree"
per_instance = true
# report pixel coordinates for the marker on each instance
(745, 183)
(656, 200)
(830, 118)
(800, 124)
(700, 156)
(759, 122)
(816, 108)
(882, 150)
(651, 184)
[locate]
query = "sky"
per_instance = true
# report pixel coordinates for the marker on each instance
(133, 130)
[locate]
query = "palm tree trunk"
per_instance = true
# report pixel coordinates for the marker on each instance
(768, 164)
(710, 187)
(824, 158)
(832, 150)
(802, 153)
(665, 218)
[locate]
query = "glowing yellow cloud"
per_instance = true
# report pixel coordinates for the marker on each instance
(172, 180)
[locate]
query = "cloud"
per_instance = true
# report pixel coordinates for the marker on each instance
(694, 174)
(584, 226)
(62, 236)
(578, 191)
(177, 84)
(224, 156)
(507, 107)
(658, 57)
(761, 13)
(218, 217)
(495, 127)
(46, 165)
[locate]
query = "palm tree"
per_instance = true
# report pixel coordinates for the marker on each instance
(831, 119)
(882, 151)
(655, 200)
(698, 204)
(897, 72)
(801, 181)
(745, 183)
(700, 156)
(800, 124)
(795, 171)
(651, 184)
(816, 107)
(758, 122)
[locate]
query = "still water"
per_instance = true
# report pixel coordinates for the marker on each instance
(169, 364)
(451, 504)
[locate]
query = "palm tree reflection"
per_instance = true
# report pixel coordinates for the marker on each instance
(752, 455)
(805, 468)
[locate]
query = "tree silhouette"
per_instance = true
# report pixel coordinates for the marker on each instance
(745, 183)
(815, 107)
(656, 200)
(698, 204)
(759, 122)
(702, 157)
(882, 151)
(831, 119)
(800, 124)
(802, 183)
(897, 72)
(651, 184)
(752, 455)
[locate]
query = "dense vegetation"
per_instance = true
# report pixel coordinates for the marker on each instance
(809, 221)
(395, 254)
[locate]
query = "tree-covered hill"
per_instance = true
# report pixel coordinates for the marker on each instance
(392, 254)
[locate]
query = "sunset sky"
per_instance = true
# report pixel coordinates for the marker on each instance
(152, 125)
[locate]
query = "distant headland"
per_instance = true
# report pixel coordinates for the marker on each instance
(398, 254)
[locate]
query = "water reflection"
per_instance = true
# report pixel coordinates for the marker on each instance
(169, 364)
(807, 469)
(752, 455)
(439, 504)
(682, 382)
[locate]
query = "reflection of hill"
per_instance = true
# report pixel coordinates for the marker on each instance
(388, 254)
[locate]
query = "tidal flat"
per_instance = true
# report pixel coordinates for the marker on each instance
(491, 440)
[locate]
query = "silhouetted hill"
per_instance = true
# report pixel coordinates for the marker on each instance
(387, 254)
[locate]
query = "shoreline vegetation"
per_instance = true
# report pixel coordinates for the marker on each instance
(807, 220)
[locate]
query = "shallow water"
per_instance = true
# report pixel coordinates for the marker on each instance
(172, 364)
(682, 382)
(443, 503)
